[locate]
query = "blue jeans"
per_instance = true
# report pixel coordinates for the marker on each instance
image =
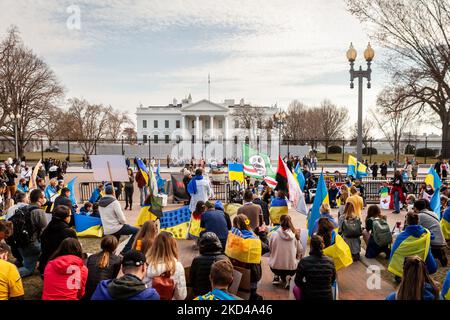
(396, 201)
(143, 193)
(30, 255)
(125, 231)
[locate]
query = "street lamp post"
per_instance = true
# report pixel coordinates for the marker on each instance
(369, 53)
(279, 120)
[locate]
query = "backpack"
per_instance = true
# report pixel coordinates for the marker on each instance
(381, 232)
(351, 228)
(23, 228)
(164, 285)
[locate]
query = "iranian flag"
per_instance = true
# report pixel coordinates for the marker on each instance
(257, 165)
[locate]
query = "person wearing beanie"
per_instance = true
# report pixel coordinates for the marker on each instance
(113, 218)
(130, 286)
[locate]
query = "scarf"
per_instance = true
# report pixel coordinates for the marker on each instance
(192, 185)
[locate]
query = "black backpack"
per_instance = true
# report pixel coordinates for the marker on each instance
(23, 228)
(351, 228)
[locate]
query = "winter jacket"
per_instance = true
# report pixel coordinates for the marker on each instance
(62, 201)
(178, 277)
(127, 287)
(315, 277)
(64, 278)
(428, 293)
(215, 221)
(111, 214)
(52, 236)
(265, 210)
(429, 220)
(97, 274)
(285, 250)
(210, 249)
(140, 180)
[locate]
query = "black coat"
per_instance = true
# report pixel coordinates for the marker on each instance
(96, 274)
(265, 210)
(210, 249)
(62, 201)
(52, 236)
(315, 276)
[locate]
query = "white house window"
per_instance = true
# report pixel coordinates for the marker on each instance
(178, 124)
(166, 124)
(220, 124)
(155, 124)
(193, 124)
(144, 124)
(144, 138)
(207, 124)
(166, 138)
(155, 138)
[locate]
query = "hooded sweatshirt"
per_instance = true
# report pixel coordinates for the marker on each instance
(64, 278)
(127, 287)
(285, 250)
(111, 214)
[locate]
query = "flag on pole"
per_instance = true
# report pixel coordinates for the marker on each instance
(159, 180)
(361, 170)
(295, 193)
(71, 187)
(320, 197)
(351, 166)
(149, 178)
(236, 172)
(298, 174)
(435, 182)
(281, 177)
(257, 165)
(34, 175)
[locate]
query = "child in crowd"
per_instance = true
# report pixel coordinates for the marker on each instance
(95, 212)
(86, 209)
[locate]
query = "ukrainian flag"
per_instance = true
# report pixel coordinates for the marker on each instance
(278, 207)
(352, 164)
(434, 181)
(176, 222)
(87, 226)
(144, 215)
(236, 172)
(445, 225)
(298, 174)
(361, 170)
(320, 197)
(71, 187)
(339, 251)
(143, 169)
(243, 246)
(216, 294)
(407, 245)
(445, 293)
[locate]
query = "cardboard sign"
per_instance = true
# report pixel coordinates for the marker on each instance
(109, 168)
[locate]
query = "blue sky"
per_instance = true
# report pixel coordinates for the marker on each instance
(131, 52)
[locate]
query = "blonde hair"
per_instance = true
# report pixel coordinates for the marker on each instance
(349, 211)
(146, 235)
(325, 208)
(353, 190)
(164, 250)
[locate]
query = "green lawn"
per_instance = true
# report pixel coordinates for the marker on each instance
(337, 158)
(35, 156)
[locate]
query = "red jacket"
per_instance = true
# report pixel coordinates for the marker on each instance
(140, 180)
(64, 279)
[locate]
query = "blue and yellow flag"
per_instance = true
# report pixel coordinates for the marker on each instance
(243, 246)
(87, 226)
(145, 214)
(236, 172)
(339, 251)
(159, 180)
(320, 197)
(435, 182)
(176, 222)
(351, 166)
(361, 170)
(278, 208)
(71, 187)
(445, 224)
(407, 245)
(143, 169)
(216, 294)
(298, 174)
(445, 293)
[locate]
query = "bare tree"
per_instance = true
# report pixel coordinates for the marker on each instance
(53, 124)
(333, 120)
(392, 118)
(251, 119)
(116, 121)
(130, 135)
(87, 123)
(28, 90)
(416, 33)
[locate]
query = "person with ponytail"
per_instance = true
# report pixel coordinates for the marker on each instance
(102, 265)
(416, 282)
(145, 237)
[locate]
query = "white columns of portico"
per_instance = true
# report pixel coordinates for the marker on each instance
(226, 128)
(211, 120)
(183, 127)
(197, 128)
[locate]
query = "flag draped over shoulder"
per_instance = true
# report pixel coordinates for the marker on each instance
(71, 187)
(236, 172)
(434, 181)
(298, 174)
(87, 226)
(295, 193)
(320, 197)
(258, 166)
(339, 251)
(406, 245)
(216, 294)
(176, 222)
(243, 246)
(445, 225)
(278, 208)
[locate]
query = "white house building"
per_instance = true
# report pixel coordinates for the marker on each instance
(201, 129)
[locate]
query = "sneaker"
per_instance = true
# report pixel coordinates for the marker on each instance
(276, 280)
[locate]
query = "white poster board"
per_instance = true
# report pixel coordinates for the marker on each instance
(109, 167)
